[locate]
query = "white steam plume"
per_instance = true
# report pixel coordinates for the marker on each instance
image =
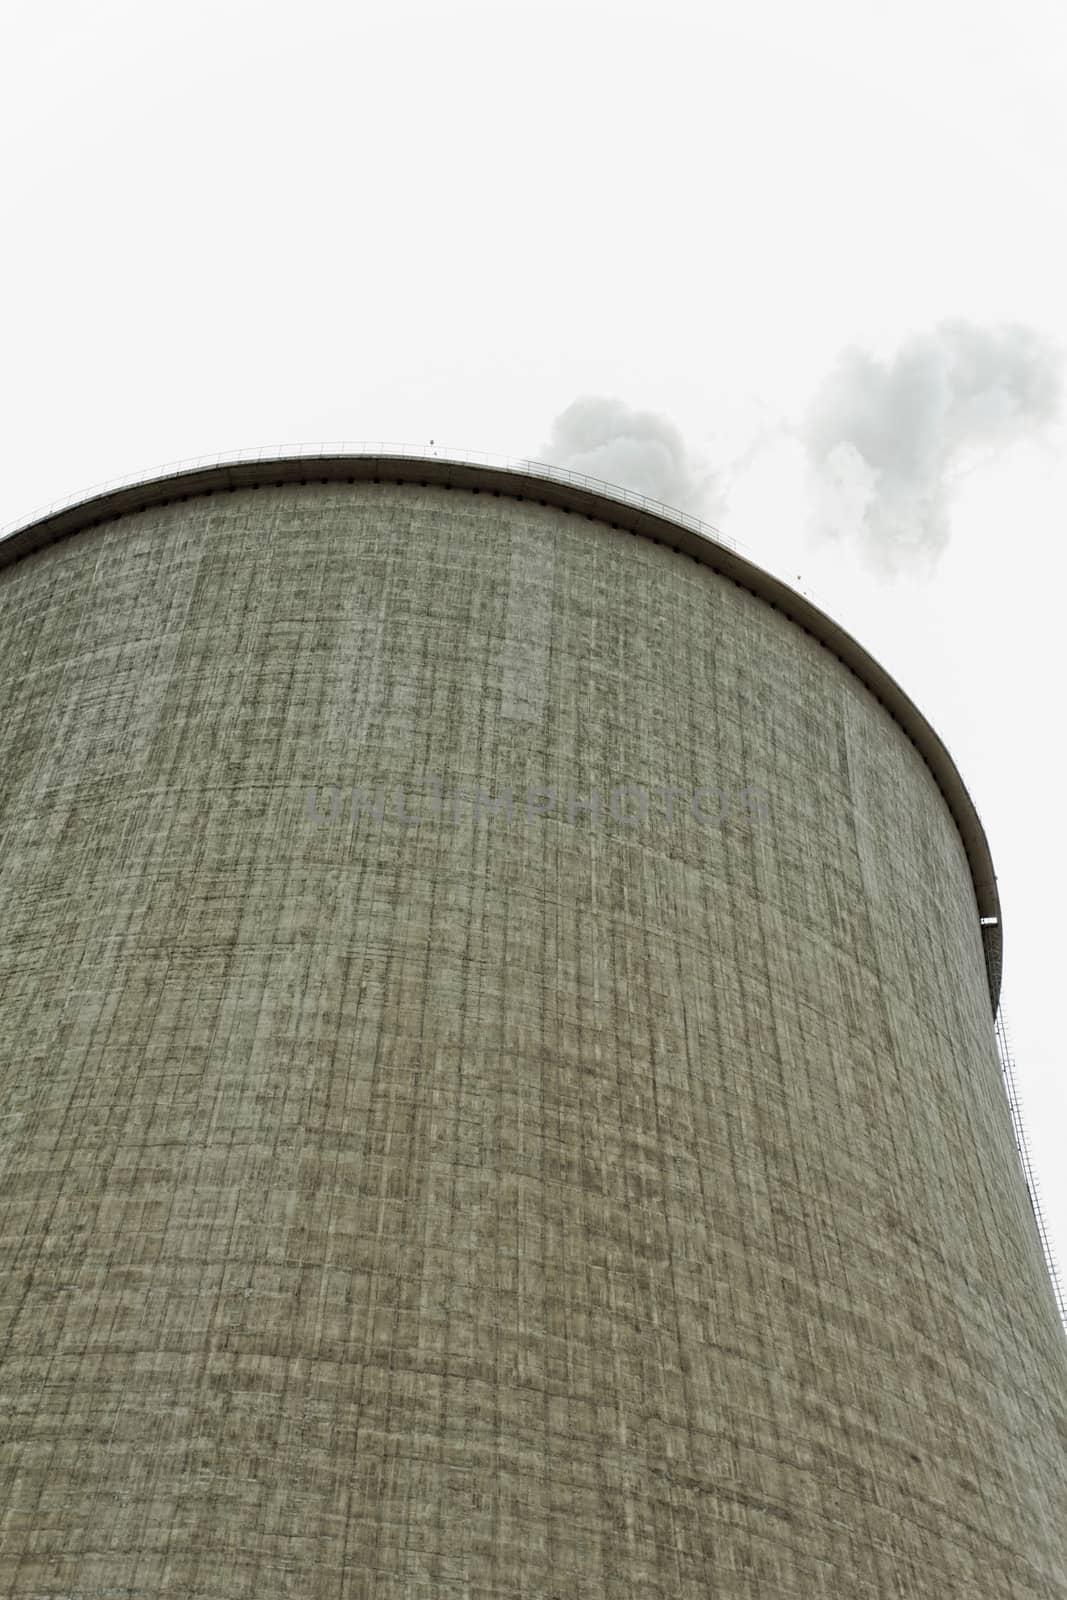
(887, 442)
(637, 450)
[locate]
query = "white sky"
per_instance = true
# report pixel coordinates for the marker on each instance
(235, 224)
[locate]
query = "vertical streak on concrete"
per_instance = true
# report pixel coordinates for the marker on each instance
(166, 627)
(132, 675)
(525, 656)
(861, 811)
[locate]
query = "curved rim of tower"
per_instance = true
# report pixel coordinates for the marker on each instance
(568, 491)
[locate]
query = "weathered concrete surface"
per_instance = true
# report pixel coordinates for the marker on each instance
(551, 1207)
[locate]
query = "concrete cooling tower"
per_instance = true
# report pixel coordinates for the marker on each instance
(498, 1091)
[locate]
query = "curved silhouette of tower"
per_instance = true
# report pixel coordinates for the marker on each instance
(498, 1094)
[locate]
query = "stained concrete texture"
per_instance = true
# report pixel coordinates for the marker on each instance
(613, 1204)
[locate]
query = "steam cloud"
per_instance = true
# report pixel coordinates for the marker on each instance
(887, 441)
(637, 450)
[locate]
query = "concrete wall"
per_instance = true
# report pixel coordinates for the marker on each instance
(545, 1207)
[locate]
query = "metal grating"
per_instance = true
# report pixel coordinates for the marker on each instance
(1007, 1067)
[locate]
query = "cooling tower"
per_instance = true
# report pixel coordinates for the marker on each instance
(498, 1095)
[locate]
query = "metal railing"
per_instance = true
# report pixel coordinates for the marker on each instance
(1022, 1140)
(363, 447)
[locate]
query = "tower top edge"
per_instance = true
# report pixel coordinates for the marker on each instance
(545, 484)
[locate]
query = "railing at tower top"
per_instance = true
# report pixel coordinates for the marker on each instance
(381, 448)
(1022, 1140)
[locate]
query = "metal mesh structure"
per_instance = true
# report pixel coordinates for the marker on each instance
(1022, 1142)
(498, 1085)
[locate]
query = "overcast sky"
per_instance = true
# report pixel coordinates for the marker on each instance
(804, 268)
